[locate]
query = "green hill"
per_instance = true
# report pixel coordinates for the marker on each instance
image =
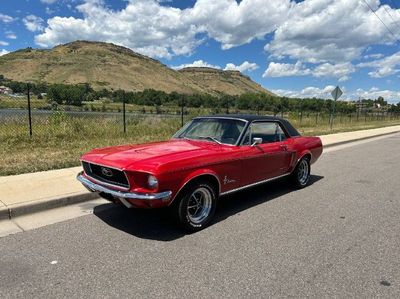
(105, 65)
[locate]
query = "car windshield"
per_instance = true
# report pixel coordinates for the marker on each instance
(218, 130)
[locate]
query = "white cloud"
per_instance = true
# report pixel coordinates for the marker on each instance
(384, 67)
(232, 23)
(3, 43)
(11, 35)
(197, 63)
(244, 67)
(49, 11)
(332, 31)
(392, 96)
(307, 92)
(48, 1)
(276, 69)
(373, 88)
(161, 31)
(340, 71)
(143, 25)
(3, 52)
(373, 56)
(33, 23)
(315, 31)
(6, 18)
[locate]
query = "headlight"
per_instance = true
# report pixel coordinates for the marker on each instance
(152, 182)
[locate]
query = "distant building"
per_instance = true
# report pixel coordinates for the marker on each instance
(360, 105)
(5, 90)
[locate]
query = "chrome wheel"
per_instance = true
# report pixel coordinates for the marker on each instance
(199, 205)
(303, 172)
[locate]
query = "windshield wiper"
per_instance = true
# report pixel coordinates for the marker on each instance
(210, 138)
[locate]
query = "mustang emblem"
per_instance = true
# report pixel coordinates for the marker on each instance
(107, 172)
(227, 181)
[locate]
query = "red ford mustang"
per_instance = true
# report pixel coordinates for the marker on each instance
(209, 157)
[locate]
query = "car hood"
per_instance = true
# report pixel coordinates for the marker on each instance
(150, 156)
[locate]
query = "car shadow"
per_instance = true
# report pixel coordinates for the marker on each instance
(156, 224)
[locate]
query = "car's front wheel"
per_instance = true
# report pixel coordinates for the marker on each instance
(195, 207)
(301, 174)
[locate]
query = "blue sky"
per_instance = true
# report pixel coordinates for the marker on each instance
(302, 48)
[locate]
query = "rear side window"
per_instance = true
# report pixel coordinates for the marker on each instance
(268, 131)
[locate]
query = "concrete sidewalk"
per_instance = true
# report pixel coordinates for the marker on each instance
(33, 192)
(340, 138)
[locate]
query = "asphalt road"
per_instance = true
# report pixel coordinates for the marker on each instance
(339, 237)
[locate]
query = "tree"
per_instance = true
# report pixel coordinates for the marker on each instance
(68, 94)
(381, 101)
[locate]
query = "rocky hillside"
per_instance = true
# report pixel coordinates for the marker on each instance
(228, 82)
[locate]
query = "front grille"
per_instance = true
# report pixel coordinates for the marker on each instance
(106, 174)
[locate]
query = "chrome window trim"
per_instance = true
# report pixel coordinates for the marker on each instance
(105, 183)
(221, 117)
(231, 118)
(254, 184)
(266, 121)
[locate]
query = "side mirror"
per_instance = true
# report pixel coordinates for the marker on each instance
(256, 141)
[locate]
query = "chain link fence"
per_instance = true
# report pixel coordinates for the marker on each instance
(78, 121)
(118, 119)
(49, 136)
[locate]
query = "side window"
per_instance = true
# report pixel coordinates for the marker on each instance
(267, 131)
(281, 136)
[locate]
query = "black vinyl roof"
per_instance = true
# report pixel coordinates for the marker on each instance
(252, 117)
(248, 117)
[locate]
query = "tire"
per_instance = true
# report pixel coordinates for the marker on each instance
(195, 206)
(301, 174)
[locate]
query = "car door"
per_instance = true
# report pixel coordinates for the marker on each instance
(268, 159)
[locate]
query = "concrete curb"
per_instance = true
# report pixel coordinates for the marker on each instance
(4, 213)
(358, 139)
(44, 204)
(56, 202)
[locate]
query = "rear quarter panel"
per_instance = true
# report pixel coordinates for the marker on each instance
(307, 145)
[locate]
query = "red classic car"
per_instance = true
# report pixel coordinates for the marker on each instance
(207, 158)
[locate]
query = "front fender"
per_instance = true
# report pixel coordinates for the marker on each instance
(194, 175)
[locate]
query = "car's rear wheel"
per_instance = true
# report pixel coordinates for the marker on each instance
(301, 174)
(195, 206)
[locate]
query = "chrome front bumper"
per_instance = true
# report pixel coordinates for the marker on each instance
(121, 195)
